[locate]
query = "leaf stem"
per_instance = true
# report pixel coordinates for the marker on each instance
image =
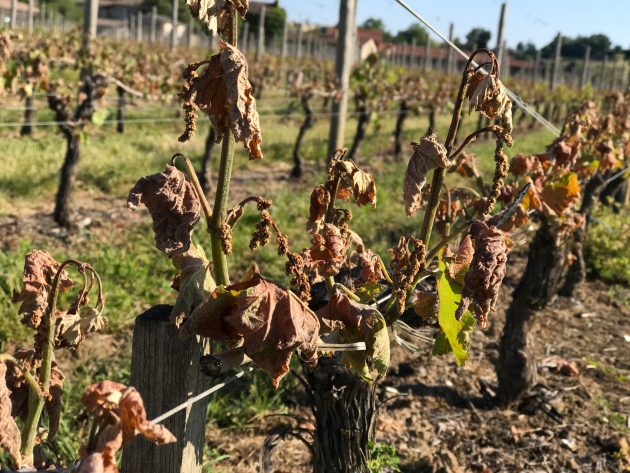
(219, 258)
(32, 382)
(192, 175)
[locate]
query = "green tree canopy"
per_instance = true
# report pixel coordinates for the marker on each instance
(477, 38)
(576, 47)
(414, 31)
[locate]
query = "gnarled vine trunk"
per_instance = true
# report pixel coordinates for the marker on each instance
(306, 124)
(546, 262)
(29, 114)
(120, 109)
(577, 270)
(403, 113)
(359, 136)
(66, 178)
(345, 409)
(206, 162)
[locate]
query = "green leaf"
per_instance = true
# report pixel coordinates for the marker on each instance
(99, 116)
(195, 282)
(369, 291)
(377, 348)
(455, 334)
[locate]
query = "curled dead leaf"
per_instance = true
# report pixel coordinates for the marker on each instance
(427, 155)
(214, 14)
(10, 437)
(268, 321)
(174, 207)
(327, 253)
(320, 199)
(487, 270)
(487, 95)
(39, 271)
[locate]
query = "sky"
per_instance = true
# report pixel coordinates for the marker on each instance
(536, 21)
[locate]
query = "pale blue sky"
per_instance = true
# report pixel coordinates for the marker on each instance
(527, 20)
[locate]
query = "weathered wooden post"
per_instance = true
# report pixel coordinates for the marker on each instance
(165, 370)
(298, 46)
(90, 20)
(285, 33)
(585, 64)
(426, 65)
(139, 21)
(260, 48)
(189, 32)
(244, 35)
(451, 51)
(153, 30)
(343, 64)
(31, 12)
(557, 63)
(174, 20)
(500, 31)
(504, 64)
(13, 19)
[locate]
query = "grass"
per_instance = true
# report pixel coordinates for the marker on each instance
(607, 252)
(136, 275)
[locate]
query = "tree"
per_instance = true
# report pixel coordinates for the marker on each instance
(275, 18)
(575, 47)
(413, 32)
(477, 38)
(524, 51)
(373, 24)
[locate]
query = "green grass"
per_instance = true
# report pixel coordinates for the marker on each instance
(607, 252)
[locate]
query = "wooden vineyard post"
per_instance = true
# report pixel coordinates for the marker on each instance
(585, 65)
(152, 35)
(174, 20)
(451, 52)
(500, 30)
(165, 370)
(260, 47)
(343, 64)
(557, 63)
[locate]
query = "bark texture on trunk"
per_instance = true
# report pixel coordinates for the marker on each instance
(345, 417)
(66, 179)
(205, 175)
(306, 124)
(29, 115)
(359, 136)
(516, 367)
(120, 109)
(403, 113)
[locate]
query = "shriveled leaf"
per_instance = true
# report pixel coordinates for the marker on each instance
(72, 328)
(361, 323)
(174, 208)
(10, 437)
(488, 95)
(562, 193)
(133, 419)
(427, 155)
(487, 270)
(425, 304)
(459, 266)
(456, 332)
(39, 271)
(320, 199)
(103, 458)
(269, 322)
(213, 13)
(466, 165)
(194, 282)
(224, 92)
(104, 395)
(327, 253)
(355, 184)
(370, 267)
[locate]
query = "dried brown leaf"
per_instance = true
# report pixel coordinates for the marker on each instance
(39, 271)
(268, 321)
(427, 155)
(426, 305)
(174, 208)
(320, 199)
(461, 262)
(10, 437)
(327, 253)
(487, 269)
(133, 419)
(214, 15)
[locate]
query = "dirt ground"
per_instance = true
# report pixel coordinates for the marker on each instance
(440, 417)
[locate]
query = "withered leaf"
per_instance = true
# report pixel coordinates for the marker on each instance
(39, 271)
(72, 328)
(487, 269)
(102, 396)
(103, 458)
(10, 437)
(426, 305)
(361, 323)
(327, 253)
(370, 267)
(355, 183)
(193, 282)
(461, 262)
(320, 198)
(225, 94)
(269, 322)
(562, 193)
(488, 95)
(428, 154)
(133, 418)
(174, 208)
(213, 13)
